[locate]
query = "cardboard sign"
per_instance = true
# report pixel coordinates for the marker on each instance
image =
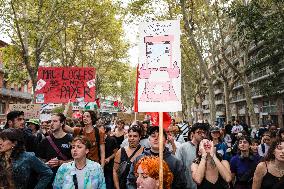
(32, 111)
(159, 78)
(61, 84)
(129, 118)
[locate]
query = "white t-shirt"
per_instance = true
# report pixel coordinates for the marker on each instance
(80, 174)
(237, 129)
(260, 152)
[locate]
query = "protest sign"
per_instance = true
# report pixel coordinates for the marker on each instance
(159, 71)
(31, 111)
(129, 118)
(64, 84)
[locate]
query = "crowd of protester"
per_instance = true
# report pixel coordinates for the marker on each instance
(97, 153)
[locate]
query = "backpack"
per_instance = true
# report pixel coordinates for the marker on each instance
(97, 136)
(124, 166)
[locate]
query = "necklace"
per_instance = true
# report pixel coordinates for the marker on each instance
(81, 168)
(281, 171)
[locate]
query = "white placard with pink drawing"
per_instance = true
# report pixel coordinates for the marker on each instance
(159, 80)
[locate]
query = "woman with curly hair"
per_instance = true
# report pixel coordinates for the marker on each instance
(147, 172)
(17, 165)
(269, 174)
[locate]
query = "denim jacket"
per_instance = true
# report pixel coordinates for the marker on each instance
(23, 167)
(94, 177)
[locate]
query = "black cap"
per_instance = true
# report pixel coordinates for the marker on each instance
(154, 129)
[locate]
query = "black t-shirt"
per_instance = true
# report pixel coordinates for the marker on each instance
(228, 128)
(46, 151)
(110, 145)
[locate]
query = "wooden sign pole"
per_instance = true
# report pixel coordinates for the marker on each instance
(161, 150)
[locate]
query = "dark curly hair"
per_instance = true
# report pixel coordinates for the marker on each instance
(135, 128)
(15, 136)
(270, 154)
(93, 116)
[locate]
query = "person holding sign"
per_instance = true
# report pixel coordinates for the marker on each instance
(147, 173)
(175, 165)
(94, 134)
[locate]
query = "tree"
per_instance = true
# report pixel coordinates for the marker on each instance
(30, 25)
(261, 22)
(70, 33)
(190, 19)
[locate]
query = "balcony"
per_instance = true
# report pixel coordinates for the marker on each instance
(269, 109)
(206, 111)
(16, 94)
(220, 113)
(218, 102)
(238, 98)
(218, 91)
(242, 111)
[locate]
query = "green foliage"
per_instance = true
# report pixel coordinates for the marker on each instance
(59, 109)
(12, 62)
(261, 22)
(67, 33)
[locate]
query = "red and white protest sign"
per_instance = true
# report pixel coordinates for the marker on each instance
(64, 84)
(158, 85)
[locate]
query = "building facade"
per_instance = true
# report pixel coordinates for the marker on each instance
(265, 107)
(11, 93)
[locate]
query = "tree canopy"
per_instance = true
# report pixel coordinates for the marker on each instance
(66, 33)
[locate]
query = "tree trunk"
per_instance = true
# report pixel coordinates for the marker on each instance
(202, 64)
(227, 101)
(249, 101)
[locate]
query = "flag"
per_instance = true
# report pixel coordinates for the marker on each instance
(155, 119)
(115, 103)
(98, 103)
(136, 91)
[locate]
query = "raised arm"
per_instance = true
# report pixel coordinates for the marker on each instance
(68, 129)
(222, 166)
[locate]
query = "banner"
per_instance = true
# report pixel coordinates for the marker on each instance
(64, 84)
(154, 118)
(159, 78)
(31, 111)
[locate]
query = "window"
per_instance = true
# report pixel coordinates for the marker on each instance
(25, 88)
(269, 106)
(2, 108)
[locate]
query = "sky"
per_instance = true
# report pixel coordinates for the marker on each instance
(131, 35)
